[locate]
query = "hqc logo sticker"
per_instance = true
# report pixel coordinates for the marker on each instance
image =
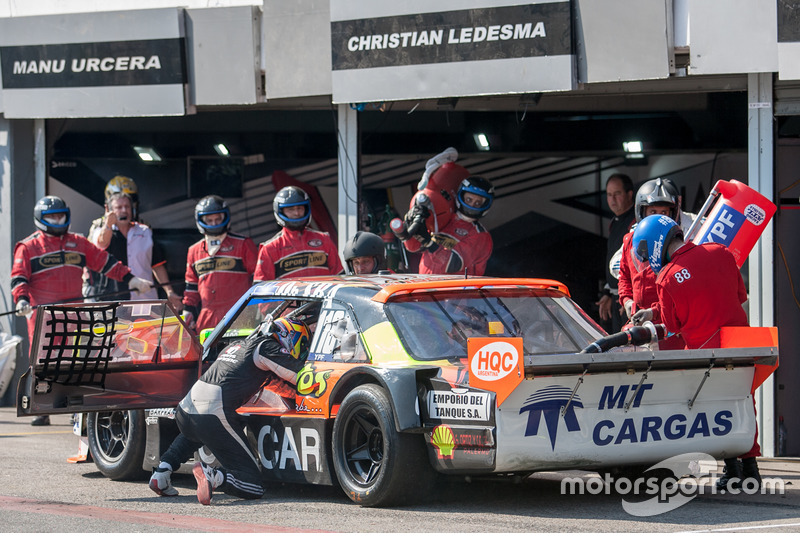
(495, 365)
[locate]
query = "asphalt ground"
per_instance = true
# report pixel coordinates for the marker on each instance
(40, 491)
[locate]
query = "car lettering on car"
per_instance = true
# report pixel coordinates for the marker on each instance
(278, 449)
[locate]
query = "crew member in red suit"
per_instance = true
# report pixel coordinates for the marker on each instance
(296, 250)
(461, 243)
(700, 290)
(219, 267)
(48, 265)
(637, 282)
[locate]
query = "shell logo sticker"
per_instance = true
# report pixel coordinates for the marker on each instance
(443, 440)
(495, 365)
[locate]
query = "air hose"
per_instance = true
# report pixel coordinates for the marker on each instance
(635, 336)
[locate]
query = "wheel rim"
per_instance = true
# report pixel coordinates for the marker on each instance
(111, 434)
(362, 446)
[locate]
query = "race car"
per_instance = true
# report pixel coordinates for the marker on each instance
(408, 378)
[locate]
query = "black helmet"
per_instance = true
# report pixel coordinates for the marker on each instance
(365, 244)
(211, 205)
(289, 197)
(480, 187)
(124, 185)
(51, 205)
(659, 191)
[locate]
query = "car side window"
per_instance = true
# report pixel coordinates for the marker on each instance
(336, 338)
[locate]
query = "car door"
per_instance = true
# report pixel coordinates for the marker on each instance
(107, 356)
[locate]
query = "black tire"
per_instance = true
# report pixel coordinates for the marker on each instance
(117, 443)
(376, 466)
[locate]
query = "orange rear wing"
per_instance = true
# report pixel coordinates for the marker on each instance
(397, 289)
(748, 337)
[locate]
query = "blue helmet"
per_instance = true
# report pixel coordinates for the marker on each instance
(211, 205)
(651, 240)
(479, 187)
(292, 196)
(49, 206)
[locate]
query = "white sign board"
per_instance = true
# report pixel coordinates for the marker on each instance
(448, 49)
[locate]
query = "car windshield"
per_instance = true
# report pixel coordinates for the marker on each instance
(252, 313)
(436, 325)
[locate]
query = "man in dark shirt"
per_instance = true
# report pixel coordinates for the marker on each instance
(207, 414)
(619, 194)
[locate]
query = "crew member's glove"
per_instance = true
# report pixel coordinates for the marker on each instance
(419, 212)
(139, 284)
(629, 307)
(24, 308)
(415, 220)
(423, 235)
(641, 316)
(188, 318)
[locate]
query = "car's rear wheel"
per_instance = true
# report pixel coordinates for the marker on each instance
(117, 443)
(376, 465)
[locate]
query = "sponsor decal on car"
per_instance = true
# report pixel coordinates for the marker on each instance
(459, 404)
(443, 440)
(556, 402)
(304, 407)
(154, 414)
(282, 449)
(310, 382)
(304, 289)
(549, 403)
(495, 364)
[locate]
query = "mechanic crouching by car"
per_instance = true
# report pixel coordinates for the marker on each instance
(700, 290)
(207, 414)
(364, 253)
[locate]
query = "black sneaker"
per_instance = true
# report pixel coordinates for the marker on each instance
(731, 475)
(750, 472)
(43, 420)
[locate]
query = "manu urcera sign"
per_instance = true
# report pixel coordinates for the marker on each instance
(146, 62)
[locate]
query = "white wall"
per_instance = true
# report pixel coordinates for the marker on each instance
(27, 8)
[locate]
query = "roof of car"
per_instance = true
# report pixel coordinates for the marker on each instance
(388, 285)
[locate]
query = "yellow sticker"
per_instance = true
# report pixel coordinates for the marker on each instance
(496, 328)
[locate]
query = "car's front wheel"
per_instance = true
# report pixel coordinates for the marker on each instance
(117, 443)
(376, 465)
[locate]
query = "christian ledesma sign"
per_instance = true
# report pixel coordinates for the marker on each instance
(503, 49)
(104, 78)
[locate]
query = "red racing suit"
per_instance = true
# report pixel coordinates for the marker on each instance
(292, 254)
(49, 268)
(699, 291)
(215, 282)
(697, 297)
(461, 243)
(634, 284)
(639, 285)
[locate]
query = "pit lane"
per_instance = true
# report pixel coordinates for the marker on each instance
(40, 491)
